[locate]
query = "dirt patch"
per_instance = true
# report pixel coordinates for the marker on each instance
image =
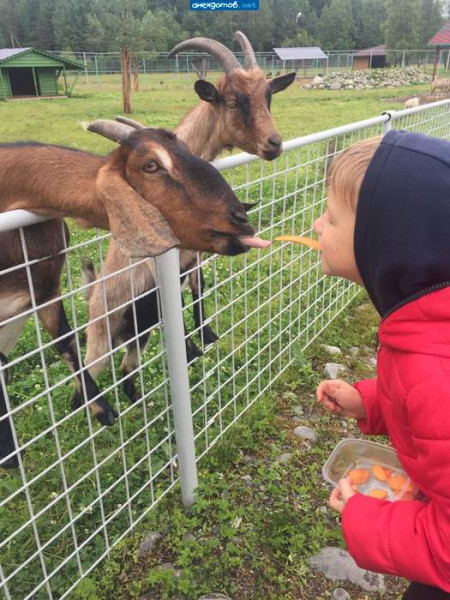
(423, 98)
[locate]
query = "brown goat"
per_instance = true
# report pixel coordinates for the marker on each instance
(234, 112)
(151, 192)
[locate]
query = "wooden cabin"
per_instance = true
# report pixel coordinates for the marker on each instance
(28, 72)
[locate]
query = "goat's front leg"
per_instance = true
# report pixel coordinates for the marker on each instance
(55, 321)
(197, 285)
(8, 450)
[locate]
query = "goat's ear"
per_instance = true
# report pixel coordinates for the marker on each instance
(206, 91)
(282, 82)
(248, 206)
(137, 226)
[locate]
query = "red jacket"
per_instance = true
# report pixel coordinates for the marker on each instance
(409, 401)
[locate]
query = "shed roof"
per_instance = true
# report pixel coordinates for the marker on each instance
(8, 54)
(300, 53)
(442, 37)
(374, 51)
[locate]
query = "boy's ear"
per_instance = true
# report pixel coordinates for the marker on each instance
(206, 91)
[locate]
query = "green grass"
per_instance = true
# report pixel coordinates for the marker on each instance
(296, 112)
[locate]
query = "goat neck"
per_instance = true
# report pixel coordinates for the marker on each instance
(36, 177)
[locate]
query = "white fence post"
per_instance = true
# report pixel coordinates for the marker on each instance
(168, 277)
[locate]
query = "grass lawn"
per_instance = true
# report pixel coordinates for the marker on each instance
(256, 521)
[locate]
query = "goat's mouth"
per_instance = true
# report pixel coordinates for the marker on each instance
(268, 153)
(232, 244)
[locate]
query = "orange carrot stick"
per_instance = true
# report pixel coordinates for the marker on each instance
(298, 239)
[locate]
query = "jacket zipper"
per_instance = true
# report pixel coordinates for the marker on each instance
(416, 296)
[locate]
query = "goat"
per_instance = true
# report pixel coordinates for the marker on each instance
(440, 84)
(152, 194)
(412, 102)
(234, 112)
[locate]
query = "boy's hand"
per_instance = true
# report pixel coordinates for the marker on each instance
(341, 494)
(341, 398)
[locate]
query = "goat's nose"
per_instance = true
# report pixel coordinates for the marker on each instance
(275, 141)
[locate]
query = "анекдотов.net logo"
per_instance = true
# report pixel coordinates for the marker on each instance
(224, 5)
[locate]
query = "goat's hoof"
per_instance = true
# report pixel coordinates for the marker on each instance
(76, 401)
(108, 416)
(130, 390)
(11, 463)
(208, 335)
(192, 351)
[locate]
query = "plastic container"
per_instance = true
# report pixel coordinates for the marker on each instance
(351, 454)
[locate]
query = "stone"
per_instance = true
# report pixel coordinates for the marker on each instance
(284, 458)
(340, 594)
(333, 350)
(305, 432)
(332, 370)
(149, 542)
(335, 86)
(317, 79)
(298, 411)
(214, 596)
(337, 564)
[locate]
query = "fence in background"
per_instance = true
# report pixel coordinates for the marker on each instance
(107, 63)
(81, 487)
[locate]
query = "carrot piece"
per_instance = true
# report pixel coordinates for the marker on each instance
(378, 473)
(298, 239)
(375, 493)
(396, 482)
(359, 476)
(387, 472)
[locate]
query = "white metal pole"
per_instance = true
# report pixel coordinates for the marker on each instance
(168, 277)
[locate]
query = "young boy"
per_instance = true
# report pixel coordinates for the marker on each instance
(387, 227)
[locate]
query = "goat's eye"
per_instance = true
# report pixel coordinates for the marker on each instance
(151, 167)
(231, 104)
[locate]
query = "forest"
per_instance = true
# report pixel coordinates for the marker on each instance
(157, 25)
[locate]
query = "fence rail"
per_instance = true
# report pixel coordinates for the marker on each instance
(81, 487)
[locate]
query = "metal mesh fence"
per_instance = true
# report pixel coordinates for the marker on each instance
(107, 63)
(80, 487)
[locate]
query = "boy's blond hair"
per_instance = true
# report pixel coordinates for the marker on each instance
(347, 170)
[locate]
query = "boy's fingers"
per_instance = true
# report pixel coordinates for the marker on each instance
(346, 488)
(335, 500)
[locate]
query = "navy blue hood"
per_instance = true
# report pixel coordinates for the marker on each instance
(402, 231)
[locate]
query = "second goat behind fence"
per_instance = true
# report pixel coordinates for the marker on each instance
(234, 112)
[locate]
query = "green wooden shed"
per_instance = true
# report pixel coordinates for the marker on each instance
(26, 72)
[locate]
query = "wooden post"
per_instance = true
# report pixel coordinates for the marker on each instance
(35, 81)
(126, 80)
(436, 54)
(65, 80)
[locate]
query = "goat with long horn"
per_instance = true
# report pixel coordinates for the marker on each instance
(151, 192)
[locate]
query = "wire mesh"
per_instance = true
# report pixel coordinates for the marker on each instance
(80, 487)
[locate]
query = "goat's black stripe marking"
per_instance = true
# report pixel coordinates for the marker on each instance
(244, 106)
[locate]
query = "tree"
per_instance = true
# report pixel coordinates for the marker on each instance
(431, 20)
(336, 26)
(70, 21)
(373, 18)
(402, 30)
(119, 25)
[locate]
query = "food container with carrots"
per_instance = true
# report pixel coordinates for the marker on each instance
(373, 468)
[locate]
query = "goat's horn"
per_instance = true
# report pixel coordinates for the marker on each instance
(217, 50)
(250, 58)
(111, 129)
(130, 122)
